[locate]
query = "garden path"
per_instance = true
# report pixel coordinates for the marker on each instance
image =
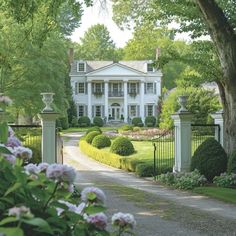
(158, 210)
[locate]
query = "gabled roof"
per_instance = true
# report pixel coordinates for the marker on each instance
(116, 69)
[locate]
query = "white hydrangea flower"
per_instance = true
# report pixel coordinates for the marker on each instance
(98, 220)
(100, 196)
(123, 220)
(61, 173)
(71, 207)
(31, 169)
(43, 166)
(22, 152)
(19, 211)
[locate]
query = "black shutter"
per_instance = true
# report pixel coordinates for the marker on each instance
(155, 88)
(145, 88)
(76, 88)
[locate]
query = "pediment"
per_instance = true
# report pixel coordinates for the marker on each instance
(116, 69)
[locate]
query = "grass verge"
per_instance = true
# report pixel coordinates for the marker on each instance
(224, 194)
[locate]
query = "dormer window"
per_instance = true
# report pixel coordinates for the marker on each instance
(81, 67)
(150, 67)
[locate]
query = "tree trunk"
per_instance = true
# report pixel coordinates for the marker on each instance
(224, 38)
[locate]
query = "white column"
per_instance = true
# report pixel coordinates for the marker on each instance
(90, 100)
(142, 100)
(219, 120)
(106, 99)
(48, 121)
(182, 122)
(125, 102)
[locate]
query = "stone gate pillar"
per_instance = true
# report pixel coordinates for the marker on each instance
(219, 120)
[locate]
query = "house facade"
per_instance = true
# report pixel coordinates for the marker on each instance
(115, 91)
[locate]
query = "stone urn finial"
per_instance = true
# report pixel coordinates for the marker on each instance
(182, 101)
(47, 100)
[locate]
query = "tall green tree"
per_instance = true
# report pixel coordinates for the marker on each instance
(216, 18)
(96, 44)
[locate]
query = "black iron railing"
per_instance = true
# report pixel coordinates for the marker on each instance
(201, 132)
(115, 93)
(163, 152)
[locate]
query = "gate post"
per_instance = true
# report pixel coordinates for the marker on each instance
(182, 121)
(219, 120)
(48, 120)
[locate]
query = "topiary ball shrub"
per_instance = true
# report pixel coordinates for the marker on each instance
(94, 128)
(150, 121)
(137, 129)
(137, 121)
(122, 146)
(210, 159)
(98, 121)
(101, 141)
(232, 163)
(84, 121)
(125, 128)
(90, 136)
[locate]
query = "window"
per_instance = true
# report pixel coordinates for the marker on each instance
(149, 87)
(133, 110)
(98, 87)
(81, 67)
(132, 88)
(150, 110)
(98, 111)
(149, 67)
(81, 110)
(81, 87)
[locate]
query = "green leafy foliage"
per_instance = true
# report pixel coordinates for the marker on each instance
(210, 159)
(94, 128)
(231, 168)
(84, 121)
(64, 122)
(125, 128)
(225, 180)
(98, 121)
(101, 141)
(150, 121)
(122, 146)
(188, 180)
(137, 121)
(91, 135)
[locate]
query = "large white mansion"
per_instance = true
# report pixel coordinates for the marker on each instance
(115, 90)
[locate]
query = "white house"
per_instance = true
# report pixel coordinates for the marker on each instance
(115, 90)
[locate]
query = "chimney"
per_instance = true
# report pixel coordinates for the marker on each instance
(71, 55)
(158, 53)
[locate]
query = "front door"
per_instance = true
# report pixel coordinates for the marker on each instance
(116, 113)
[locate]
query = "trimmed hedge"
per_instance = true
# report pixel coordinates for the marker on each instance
(232, 163)
(125, 128)
(90, 136)
(94, 128)
(122, 146)
(210, 159)
(84, 121)
(101, 141)
(150, 121)
(137, 121)
(98, 121)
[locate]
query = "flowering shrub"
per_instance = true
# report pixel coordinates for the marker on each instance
(181, 180)
(225, 180)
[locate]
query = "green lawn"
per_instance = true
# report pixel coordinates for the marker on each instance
(223, 194)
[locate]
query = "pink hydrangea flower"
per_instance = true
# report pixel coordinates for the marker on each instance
(61, 173)
(19, 211)
(13, 142)
(23, 152)
(31, 169)
(43, 167)
(124, 220)
(98, 220)
(100, 196)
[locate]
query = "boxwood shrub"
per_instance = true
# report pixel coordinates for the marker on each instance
(84, 121)
(98, 121)
(122, 146)
(90, 136)
(232, 163)
(137, 121)
(210, 159)
(101, 141)
(125, 128)
(94, 128)
(150, 121)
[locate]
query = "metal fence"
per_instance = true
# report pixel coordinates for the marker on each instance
(164, 152)
(31, 137)
(201, 132)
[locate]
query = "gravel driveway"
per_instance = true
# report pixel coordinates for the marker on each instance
(158, 211)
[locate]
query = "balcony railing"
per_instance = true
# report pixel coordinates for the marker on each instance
(116, 94)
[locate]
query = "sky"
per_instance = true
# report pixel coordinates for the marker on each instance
(94, 15)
